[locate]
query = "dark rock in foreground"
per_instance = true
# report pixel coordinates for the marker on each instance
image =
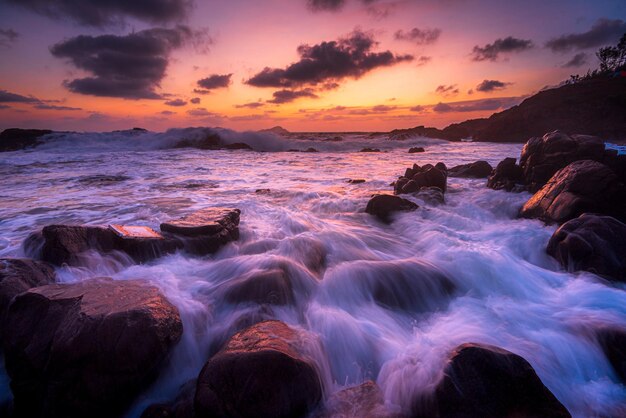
(415, 150)
(613, 344)
(204, 222)
(261, 372)
(272, 287)
(583, 186)
(86, 349)
(181, 407)
(479, 169)
(16, 277)
(365, 400)
(417, 177)
(592, 243)
(383, 206)
(506, 176)
(487, 381)
(14, 139)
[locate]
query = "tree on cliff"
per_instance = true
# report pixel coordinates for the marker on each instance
(613, 58)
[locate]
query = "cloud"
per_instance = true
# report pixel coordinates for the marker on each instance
(491, 52)
(577, 60)
(8, 37)
(329, 62)
(55, 107)
(419, 36)
(130, 66)
(491, 85)
(101, 13)
(603, 32)
(215, 81)
(478, 105)
(195, 100)
(176, 103)
(325, 5)
(418, 109)
(168, 112)
(8, 97)
(423, 60)
(3, 106)
(445, 90)
(287, 96)
(252, 105)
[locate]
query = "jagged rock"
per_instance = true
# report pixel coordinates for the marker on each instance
(592, 243)
(583, 186)
(261, 372)
(506, 176)
(479, 169)
(487, 381)
(415, 150)
(87, 348)
(383, 206)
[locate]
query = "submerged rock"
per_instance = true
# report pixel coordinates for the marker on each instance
(479, 169)
(431, 195)
(415, 150)
(261, 372)
(310, 149)
(356, 181)
(592, 243)
(88, 348)
(506, 176)
(383, 206)
(271, 287)
(17, 275)
(613, 344)
(583, 186)
(364, 400)
(367, 149)
(487, 381)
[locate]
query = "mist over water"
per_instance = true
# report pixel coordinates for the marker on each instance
(375, 301)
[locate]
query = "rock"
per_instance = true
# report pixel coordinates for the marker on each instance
(431, 195)
(14, 139)
(479, 169)
(279, 130)
(432, 177)
(417, 177)
(238, 145)
(356, 181)
(365, 400)
(181, 407)
(261, 372)
(542, 157)
(199, 138)
(271, 287)
(415, 150)
(583, 186)
(613, 344)
(88, 348)
(204, 222)
(310, 149)
(370, 150)
(592, 243)
(441, 166)
(383, 206)
(507, 176)
(487, 381)
(17, 276)
(262, 191)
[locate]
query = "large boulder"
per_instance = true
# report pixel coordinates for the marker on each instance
(506, 176)
(542, 157)
(272, 287)
(88, 348)
(417, 177)
(593, 243)
(261, 372)
(14, 139)
(478, 169)
(613, 343)
(487, 381)
(583, 186)
(16, 277)
(204, 222)
(383, 206)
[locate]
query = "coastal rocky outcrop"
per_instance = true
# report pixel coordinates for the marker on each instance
(487, 381)
(507, 175)
(478, 169)
(17, 275)
(583, 186)
(14, 139)
(200, 233)
(415, 150)
(383, 206)
(261, 372)
(593, 243)
(416, 177)
(87, 348)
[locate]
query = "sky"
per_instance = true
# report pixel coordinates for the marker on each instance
(306, 65)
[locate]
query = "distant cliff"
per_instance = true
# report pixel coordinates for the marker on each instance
(591, 107)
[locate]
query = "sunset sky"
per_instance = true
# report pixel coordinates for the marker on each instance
(321, 65)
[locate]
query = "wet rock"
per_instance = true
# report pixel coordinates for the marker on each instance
(271, 287)
(542, 157)
(479, 169)
(507, 176)
(613, 344)
(487, 381)
(261, 372)
(181, 407)
(441, 166)
(88, 348)
(592, 243)
(17, 275)
(310, 149)
(431, 177)
(583, 186)
(365, 400)
(417, 177)
(14, 139)
(199, 138)
(356, 181)
(431, 195)
(415, 150)
(204, 222)
(238, 146)
(370, 150)
(383, 206)
(262, 191)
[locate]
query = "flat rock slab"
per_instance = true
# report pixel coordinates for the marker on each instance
(87, 348)
(204, 222)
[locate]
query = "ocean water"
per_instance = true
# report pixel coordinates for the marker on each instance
(508, 293)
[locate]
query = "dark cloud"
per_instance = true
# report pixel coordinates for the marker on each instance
(202, 112)
(3, 106)
(215, 81)
(417, 109)
(201, 91)
(195, 100)
(176, 103)
(55, 107)
(8, 97)
(8, 37)
(130, 66)
(325, 5)
(105, 12)
(168, 112)
(252, 105)
(419, 36)
(603, 32)
(286, 96)
(577, 60)
(444, 90)
(423, 60)
(491, 52)
(478, 105)
(491, 85)
(329, 62)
